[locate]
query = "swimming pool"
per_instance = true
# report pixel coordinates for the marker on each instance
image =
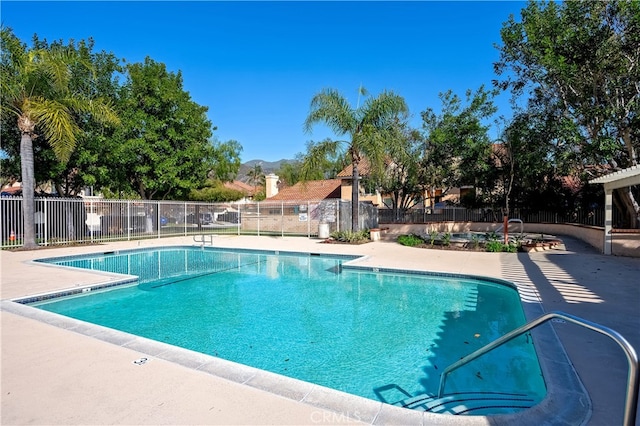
(380, 334)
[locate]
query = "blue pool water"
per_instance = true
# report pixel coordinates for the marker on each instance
(380, 335)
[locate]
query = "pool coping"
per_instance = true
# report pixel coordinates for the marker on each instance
(566, 402)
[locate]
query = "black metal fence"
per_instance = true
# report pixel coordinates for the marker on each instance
(594, 217)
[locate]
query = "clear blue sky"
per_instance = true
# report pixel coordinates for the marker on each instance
(256, 65)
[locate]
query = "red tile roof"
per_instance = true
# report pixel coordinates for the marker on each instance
(240, 186)
(310, 190)
(363, 169)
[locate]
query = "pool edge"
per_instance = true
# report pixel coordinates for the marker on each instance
(559, 404)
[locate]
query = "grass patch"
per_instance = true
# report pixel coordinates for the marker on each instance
(411, 240)
(497, 246)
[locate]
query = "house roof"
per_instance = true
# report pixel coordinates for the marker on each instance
(572, 183)
(309, 190)
(240, 186)
(363, 169)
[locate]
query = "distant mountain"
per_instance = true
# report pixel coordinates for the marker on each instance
(267, 167)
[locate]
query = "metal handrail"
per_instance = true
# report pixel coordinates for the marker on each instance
(202, 239)
(501, 227)
(631, 401)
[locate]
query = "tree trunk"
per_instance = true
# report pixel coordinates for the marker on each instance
(28, 189)
(396, 208)
(629, 205)
(355, 194)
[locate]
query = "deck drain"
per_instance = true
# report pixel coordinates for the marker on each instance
(140, 361)
(559, 320)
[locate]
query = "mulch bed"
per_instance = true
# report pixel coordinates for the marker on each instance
(332, 241)
(449, 247)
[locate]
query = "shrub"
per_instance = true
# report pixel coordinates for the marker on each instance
(432, 237)
(446, 239)
(497, 246)
(511, 248)
(350, 236)
(494, 246)
(411, 240)
(492, 236)
(475, 240)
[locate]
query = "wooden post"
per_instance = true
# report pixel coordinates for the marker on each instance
(505, 228)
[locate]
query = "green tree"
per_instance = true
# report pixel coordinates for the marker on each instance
(579, 61)
(527, 164)
(36, 90)
(85, 166)
(457, 146)
(326, 164)
(367, 127)
(401, 177)
(226, 160)
(289, 172)
(215, 191)
(162, 148)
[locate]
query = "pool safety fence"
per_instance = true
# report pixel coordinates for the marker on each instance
(92, 220)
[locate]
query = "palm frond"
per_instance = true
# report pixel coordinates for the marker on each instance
(378, 111)
(317, 156)
(58, 126)
(55, 64)
(13, 59)
(100, 109)
(13, 51)
(11, 100)
(331, 108)
(373, 143)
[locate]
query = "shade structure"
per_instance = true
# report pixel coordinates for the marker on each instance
(620, 179)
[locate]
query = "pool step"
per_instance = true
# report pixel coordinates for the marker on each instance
(476, 403)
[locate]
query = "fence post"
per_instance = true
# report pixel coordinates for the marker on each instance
(308, 220)
(238, 217)
(258, 203)
(92, 219)
(158, 217)
(45, 221)
(128, 220)
(282, 219)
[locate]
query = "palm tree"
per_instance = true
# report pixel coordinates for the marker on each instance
(36, 90)
(256, 176)
(367, 127)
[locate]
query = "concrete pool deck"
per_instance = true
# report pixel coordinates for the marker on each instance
(53, 375)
